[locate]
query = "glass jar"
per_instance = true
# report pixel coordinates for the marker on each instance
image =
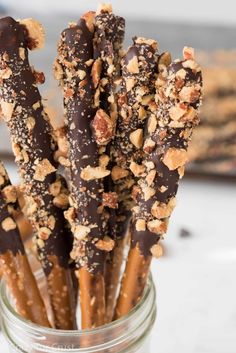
(130, 334)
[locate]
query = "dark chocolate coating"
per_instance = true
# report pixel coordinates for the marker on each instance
(77, 46)
(20, 89)
(122, 150)
(164, 177)
(108, 41)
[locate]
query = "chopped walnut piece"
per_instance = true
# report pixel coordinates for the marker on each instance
(105, 244)
(142, 114)
(10, 194)
(157, 251)
(161, 210)
(70, 215)
(104, 160)
(110, 199)
(157, 226)
(130, 82)
(61, 201)
(51, 222)
(140, 225)
(89, 20)
(150, 177)
(36, 105)
(148, 192)
(30, 123)
(137, 169)
(96, 71)
(64, 161)
(149, 145)
(92, 173)
(175, 158)
(118, 173)
(151, 42)
(152, 124)
(81, 232)
(44, 233)
(103, 127)
(81, 74)
(42, 169)
(5, 73)
(36, 33)
(8, 224)
(7, 110)
(132, 65)
(177, 111)
(189, 94)
(136, 137)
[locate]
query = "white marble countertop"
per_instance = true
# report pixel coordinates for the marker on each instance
(195, 280)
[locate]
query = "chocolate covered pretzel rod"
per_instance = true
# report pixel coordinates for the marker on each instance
(34, 147)
(76, 70)
(14, 264)
(165, 146)
(108, 41)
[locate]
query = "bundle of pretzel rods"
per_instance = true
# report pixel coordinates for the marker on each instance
(129, 116)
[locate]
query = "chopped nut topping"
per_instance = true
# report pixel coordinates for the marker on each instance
(103, 127)
(7, 110)
(189, 94)
(151, 42)
(175, 158)
(140, 225)
(5, 73)
(44, 233)
(150, 177)
(137, 169)
(51, 222)
(118, 173)
(130, 82)
(104, 8)
(8, 224)
(81, 74)
(157, 251)
(89, 19)
(42, 169)
(148, 192)
(136, 137)
(161, 210)
(64, 161)
(152, 124)
(176, 112)
(96, 71)
(92, 173)
(104, 160)
(157, 226)
(35, 32)
(36, 105)
(81, 232)
(133, 65)
(30, 123)
(22, 53)
(10, 194)
(142, 114)
(149, 145)
(105, 244)
(110, 199)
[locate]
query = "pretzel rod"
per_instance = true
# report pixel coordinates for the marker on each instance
(108, 41)
(165, 146)
(34, 147)
(77, 72)
(14, 263)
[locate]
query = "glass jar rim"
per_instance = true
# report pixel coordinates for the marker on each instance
(30, 326)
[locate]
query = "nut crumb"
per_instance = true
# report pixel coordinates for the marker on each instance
(8, 224)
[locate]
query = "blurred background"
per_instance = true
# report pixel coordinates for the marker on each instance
(195, 278)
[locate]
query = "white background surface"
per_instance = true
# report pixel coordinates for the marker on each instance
(195, 280)
(208, 11)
